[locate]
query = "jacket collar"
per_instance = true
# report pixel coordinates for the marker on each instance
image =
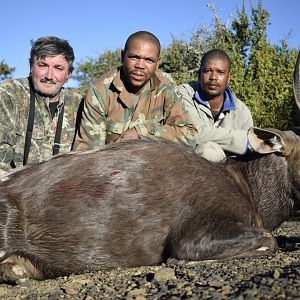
(229, 102)
(124, 95)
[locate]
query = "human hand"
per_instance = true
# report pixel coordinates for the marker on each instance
(129, 134)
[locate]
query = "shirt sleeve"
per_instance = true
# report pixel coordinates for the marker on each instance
(7, 132)
(92, 129)
(176, 125)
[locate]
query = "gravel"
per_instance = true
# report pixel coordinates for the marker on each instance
(272, 277)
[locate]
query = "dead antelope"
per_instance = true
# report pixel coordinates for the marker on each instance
(138, 203)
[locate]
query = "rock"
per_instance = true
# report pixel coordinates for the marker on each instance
(165, 273)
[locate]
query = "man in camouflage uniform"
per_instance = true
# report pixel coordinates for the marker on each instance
(135, 101)
(51, 65)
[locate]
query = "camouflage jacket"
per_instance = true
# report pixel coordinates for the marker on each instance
(157, 113)
(14, 111)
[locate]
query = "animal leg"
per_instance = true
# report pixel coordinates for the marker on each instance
(11, 273)
(16, 267)
(236, 240)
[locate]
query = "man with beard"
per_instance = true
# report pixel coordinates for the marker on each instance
(222, 120)
(37, 114)
(135, 101)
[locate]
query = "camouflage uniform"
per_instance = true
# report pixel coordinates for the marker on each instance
(157, 113)
(14, 111)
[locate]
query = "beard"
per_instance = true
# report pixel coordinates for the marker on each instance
(51, 93)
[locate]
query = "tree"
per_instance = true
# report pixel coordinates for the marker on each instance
(262, 73)
(180, 60)
(5, 71)
(268, 72)
(93, 68)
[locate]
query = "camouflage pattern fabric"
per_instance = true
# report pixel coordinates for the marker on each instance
(14, 110)
(157, 113)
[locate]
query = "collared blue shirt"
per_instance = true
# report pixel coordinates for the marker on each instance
(229, 103)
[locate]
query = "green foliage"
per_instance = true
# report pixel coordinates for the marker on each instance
(181, 60)
(262, 73)
(268, 73)
(94, 67)
(5, 71)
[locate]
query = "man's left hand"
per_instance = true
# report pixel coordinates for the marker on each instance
(129, 134)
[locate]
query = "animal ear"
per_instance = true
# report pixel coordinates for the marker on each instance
(265, 140)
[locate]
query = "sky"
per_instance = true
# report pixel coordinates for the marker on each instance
(95, 26)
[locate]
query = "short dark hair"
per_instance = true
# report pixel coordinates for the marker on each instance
(50, 46)
(144, 35)
(215, 54)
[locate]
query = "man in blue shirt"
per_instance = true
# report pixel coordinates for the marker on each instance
(222, 120)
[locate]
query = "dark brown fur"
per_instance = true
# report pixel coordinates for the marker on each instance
(139, 203)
